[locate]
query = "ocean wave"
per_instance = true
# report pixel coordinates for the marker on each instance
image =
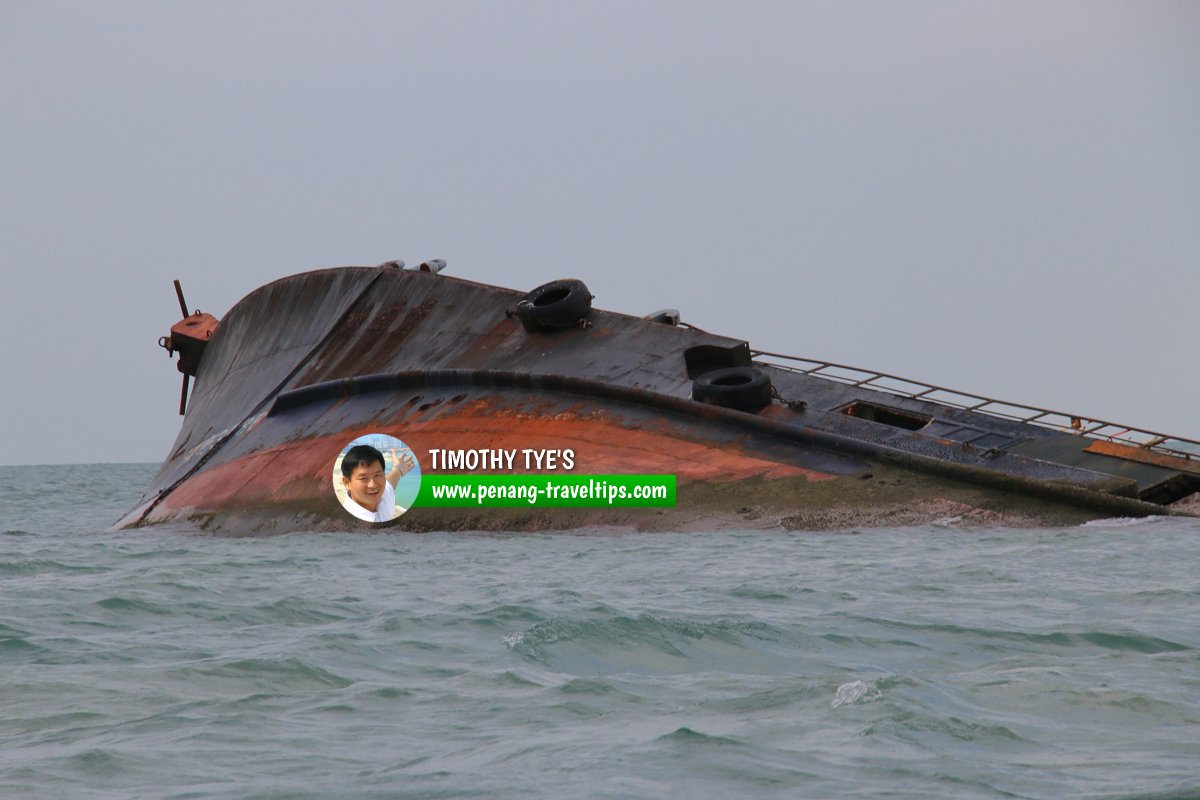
(134, 605)
(687, 736)
(1134, 641)
(36, 566)
(276, 674)
(643, 643)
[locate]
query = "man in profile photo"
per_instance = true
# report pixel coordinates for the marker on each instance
(370, 493)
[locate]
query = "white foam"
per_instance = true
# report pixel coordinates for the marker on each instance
(1120, 522)
(856, 692)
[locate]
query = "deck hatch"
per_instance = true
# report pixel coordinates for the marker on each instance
(887, 416)
(969, 434)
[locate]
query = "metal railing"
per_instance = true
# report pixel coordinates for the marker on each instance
(1152, 441)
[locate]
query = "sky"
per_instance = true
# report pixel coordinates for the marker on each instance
(1000, 197)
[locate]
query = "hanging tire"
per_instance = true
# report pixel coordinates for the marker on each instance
(557, 304)
(743, 388)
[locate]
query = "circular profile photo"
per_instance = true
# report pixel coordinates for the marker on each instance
(376, 477)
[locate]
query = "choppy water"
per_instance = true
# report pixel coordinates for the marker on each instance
(918, 662)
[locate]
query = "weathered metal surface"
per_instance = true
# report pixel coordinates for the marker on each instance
(606, 439)
(303, 365)
(1094, 429)
(1131, 453)
(726, 474)
(189, 337)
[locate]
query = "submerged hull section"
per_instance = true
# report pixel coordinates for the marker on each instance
(304, 365)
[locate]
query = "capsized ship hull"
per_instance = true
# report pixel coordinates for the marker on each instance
(305, 364)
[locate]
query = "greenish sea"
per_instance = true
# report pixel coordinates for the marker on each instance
(925, 662)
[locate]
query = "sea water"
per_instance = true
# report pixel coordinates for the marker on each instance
(926, 662)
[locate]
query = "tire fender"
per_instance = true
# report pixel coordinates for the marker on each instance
(742, 388)
(557, 304)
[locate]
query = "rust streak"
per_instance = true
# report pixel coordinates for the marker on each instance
(1133, 453)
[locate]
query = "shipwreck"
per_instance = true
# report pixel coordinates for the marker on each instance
(755, 439)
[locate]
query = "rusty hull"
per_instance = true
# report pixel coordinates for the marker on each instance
(303, 365)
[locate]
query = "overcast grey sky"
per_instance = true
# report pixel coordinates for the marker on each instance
(1001, 197)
